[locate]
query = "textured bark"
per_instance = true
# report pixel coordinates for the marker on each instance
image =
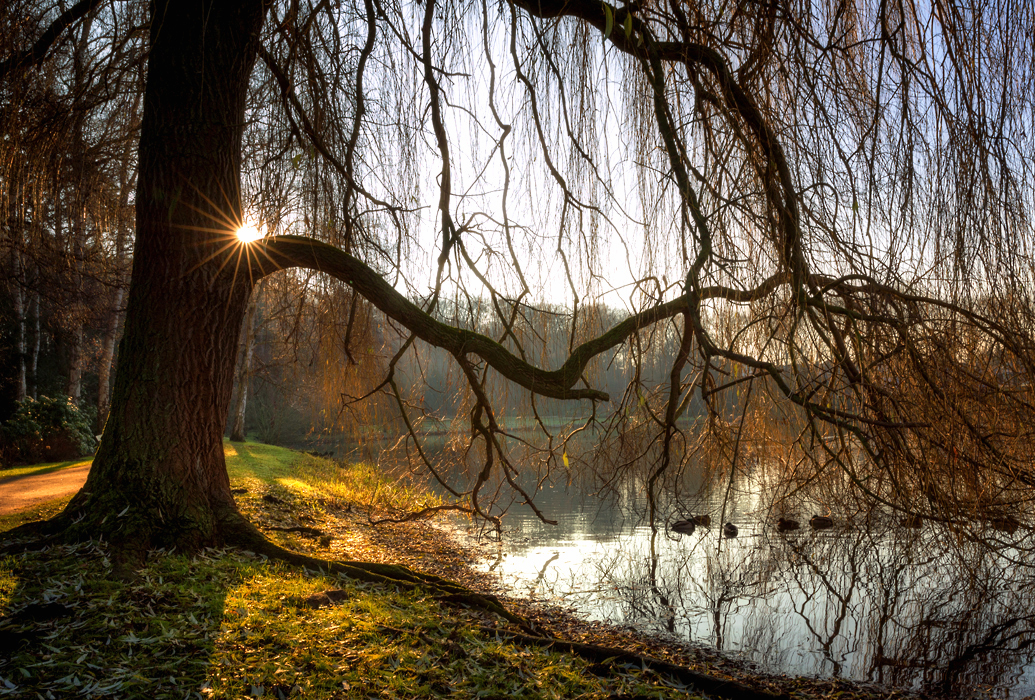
(159, 477)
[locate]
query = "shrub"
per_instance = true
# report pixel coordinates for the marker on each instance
(47, 430)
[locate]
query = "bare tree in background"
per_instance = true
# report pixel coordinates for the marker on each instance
(68, 170)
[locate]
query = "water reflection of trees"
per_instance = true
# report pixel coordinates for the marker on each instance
(942, 607)
(877, 602)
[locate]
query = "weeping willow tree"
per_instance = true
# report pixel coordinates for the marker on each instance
(821, 210)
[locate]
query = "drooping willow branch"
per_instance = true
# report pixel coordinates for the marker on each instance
(634, 36)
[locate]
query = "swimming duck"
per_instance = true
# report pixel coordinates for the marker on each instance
(786, 524)
(821, 522)
(729, 530)
(685, 527)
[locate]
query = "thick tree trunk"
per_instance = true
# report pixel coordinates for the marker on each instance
(159, 477)
(244, 373)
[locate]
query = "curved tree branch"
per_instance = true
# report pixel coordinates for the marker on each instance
(281, 252)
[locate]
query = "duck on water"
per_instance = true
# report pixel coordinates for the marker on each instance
(821, 522)
(688, 525)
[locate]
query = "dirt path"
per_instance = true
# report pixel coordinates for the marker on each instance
(21, 492)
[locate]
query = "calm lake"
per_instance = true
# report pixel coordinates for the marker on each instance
(869, 600)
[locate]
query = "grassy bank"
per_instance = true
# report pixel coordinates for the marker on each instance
(226, 624)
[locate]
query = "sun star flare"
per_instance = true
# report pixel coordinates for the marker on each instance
(249, 233)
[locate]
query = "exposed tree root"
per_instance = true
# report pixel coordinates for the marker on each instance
(300, 529)
(700, 681)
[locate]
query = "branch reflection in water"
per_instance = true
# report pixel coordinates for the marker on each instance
(926, 608)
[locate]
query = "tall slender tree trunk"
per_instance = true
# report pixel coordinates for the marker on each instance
(20, 344)
(34, 356)
(160, 465)
(115, 312)
(74, 385)
(77, 225)
(244, 372)
(107, 356)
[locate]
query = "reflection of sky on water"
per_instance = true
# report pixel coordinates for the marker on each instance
(877, 603)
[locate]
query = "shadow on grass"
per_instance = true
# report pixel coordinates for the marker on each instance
(218, 624)
(226, 624)
(70, 626)
(222, 624)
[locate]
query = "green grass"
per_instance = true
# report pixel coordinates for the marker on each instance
(250, 464)
(255, 460)
(359, 482)
(316, 477)
(243, 460)
(224, 624)
(41, 511)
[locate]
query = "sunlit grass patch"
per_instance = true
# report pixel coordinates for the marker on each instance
(383, 643)
(8, 581)
(225, 625)
(45, 468)
(366, 484)
(255, 460)
(284, 645)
